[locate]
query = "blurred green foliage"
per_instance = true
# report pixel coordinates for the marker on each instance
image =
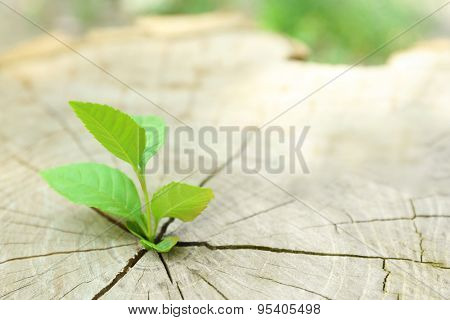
(337, 31)
(343, 31)
(187, 6)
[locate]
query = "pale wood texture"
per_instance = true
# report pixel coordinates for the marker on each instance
(370, 221)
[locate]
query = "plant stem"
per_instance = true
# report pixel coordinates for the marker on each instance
(150, 232)
(155, 227)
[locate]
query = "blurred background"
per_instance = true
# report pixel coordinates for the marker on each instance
(336, 31)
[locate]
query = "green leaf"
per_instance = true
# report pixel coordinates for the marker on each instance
(164, 246)
(115, 130)
(181, 201)
(137, 226)
(96, 185)
(155, 130)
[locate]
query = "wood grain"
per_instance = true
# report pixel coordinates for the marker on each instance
(370, 220)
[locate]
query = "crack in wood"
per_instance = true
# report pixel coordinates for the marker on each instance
(22, 279)
(348, 215)
(261, 212)
(204, 181)
(211, 285)
(432, 216)
(375, 220)
(64, 252)
(18, 289)
(230, 277)
(24, 163)
(386, 277)
(294, 251)
(78, 285)
(140, 278)
(23, 213)
(292, 286)
(39, 274)
(112, 220)
(163, 229)
(166, 267)
(416, 229)
(332, 222)
(179, 290)
(52, 228)
(15, 243)
(227, 163)
(131, 263)
(65, 273)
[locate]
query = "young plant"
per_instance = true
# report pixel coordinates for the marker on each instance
(134, 139)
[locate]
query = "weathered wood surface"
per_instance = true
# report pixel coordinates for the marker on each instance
(370, 221)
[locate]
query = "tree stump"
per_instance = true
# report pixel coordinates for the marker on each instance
(370, 220)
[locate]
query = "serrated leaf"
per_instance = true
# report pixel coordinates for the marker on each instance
(155, 130)
(164, 246)
(96, 185)
(115, 130)
(181, 201)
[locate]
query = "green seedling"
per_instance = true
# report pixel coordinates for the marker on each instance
(133, 139)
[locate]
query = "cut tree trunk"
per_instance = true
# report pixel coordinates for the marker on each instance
(369, 221)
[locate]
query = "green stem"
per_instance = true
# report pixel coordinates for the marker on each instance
(155, 227)
(150, 231)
